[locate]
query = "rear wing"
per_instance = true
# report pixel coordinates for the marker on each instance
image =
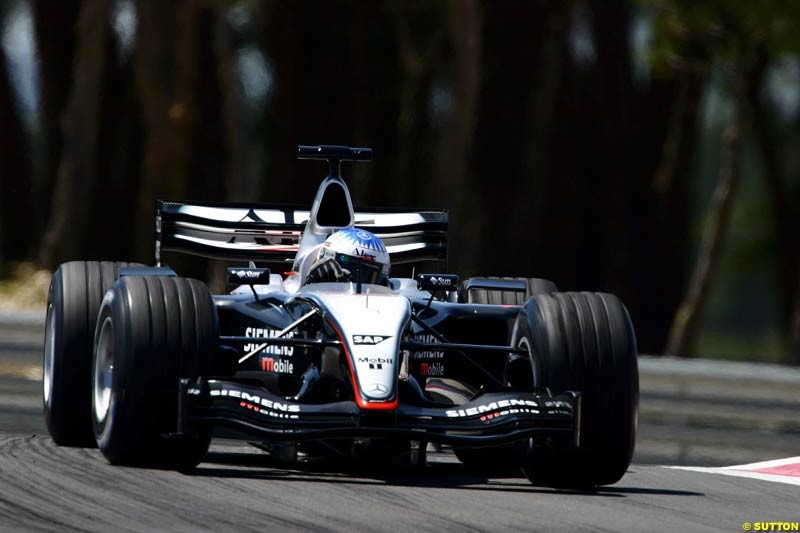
(269, 233)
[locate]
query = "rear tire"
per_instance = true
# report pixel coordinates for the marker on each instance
(152, 331)
(76, 291)
(583, 342)
(482, 296)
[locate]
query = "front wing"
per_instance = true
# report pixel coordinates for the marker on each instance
(491, 418)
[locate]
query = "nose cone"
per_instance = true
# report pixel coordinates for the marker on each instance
(371, 331)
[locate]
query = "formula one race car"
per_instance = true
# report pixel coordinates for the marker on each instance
(334, 354)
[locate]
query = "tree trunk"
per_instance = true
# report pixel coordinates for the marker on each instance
(513, 39)
(165, 76)
(15, 205)
(665, 248)
(54, 24)
(615, 198)
(241, 184)
(683, 332)
(454, 178)
(417, 57)
(794, 332)
(118, 162)
(281, 25)
(538, 158)
(74, 190)
(780, 196)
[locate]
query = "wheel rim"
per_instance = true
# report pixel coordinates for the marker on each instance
(49, 354)
(103, 370)
(525, 344)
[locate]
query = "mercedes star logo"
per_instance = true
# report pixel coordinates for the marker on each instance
(378, 388)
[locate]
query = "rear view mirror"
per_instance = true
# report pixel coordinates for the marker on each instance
(437, 282)
(247, 276)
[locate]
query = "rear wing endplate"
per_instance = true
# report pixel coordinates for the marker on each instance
(270, 233)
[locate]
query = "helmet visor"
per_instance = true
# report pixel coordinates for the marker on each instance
(362, 270)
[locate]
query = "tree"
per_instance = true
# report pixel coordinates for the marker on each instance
(464, 25)
(784, 208)
(77, 177)
(734, 34)
(15, 201)
(55, 33)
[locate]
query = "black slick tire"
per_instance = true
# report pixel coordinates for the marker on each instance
(495, 297)
(583, 342)
(76, 290)
(152, 331)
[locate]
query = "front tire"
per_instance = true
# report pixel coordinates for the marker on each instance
(152, 331)
(583, 342)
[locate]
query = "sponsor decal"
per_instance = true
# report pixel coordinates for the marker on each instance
(435, 369)
(266, 412)
(487, 418)
(376, 363)
(256, 400)
(437, 282)
(369, 339)
(279, 366)
(248, 274)
(378, 388)
(364, 254)
(426, 339)
(517, 406)
(266, 333)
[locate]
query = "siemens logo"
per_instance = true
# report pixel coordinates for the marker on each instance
(489, 407)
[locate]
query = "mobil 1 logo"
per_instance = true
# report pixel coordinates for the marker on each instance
(370, 340)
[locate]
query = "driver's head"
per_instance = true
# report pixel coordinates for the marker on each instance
(359, 252)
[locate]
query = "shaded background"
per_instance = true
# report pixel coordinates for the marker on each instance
(641, 148)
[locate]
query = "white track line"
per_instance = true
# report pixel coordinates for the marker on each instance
(747, 471)
(767, 464)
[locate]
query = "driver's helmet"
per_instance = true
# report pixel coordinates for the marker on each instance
(360, 252)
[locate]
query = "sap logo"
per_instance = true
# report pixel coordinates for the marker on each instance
(248, 274)
(370, 339)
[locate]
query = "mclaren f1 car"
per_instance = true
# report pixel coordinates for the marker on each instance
(318, 349)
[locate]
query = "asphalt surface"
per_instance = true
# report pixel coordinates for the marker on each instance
(239, 488)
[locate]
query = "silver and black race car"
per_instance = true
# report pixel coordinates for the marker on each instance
(149, 366)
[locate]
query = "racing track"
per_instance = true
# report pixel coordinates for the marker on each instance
(238, 488)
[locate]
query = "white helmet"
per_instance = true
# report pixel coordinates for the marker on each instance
(360, 252)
